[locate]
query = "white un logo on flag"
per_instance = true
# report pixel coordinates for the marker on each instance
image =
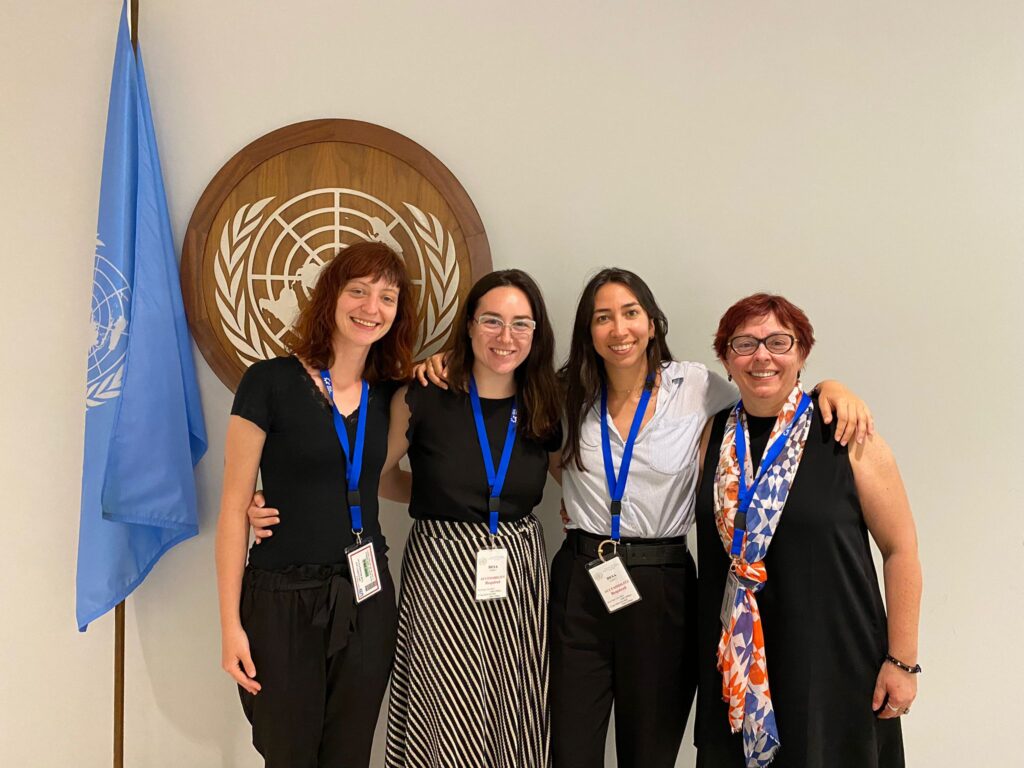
(111, 301)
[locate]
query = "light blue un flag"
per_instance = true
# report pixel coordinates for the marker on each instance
(144, 428)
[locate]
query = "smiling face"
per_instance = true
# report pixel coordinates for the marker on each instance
(365, 310)
(502, 352)
(620, 328)
(765, 379)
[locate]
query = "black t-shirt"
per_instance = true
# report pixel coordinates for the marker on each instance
(303, 466)
(449, 481)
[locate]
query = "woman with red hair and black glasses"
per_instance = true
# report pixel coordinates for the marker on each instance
(309, 626)
(788, 591)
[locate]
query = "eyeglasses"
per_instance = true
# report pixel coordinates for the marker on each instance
(493, 325)
(776, 343)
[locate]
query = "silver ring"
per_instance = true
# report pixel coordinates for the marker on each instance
(890, 706)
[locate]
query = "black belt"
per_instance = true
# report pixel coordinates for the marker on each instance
(633, 552)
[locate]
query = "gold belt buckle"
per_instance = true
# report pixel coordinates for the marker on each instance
(600, 548)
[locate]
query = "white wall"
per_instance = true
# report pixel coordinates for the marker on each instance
(864, 158)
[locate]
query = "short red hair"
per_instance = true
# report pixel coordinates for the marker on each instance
(390, 358)
(760, 305)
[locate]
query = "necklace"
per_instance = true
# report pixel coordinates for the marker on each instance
(634, 390)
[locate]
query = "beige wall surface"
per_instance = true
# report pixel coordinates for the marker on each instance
(864, 158)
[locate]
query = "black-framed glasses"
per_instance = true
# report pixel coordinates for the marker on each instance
(494, 325)
(776, 343)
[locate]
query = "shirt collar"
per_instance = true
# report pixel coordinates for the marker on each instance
(671, 376)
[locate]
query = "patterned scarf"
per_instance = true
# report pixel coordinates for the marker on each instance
(741, 654)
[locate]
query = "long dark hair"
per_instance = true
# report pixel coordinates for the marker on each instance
(583, 372)
(390, 357)
(536, 385)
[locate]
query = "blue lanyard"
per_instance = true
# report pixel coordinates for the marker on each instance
(495, 480)
(617, 486)
(746, 495)
(353, 459)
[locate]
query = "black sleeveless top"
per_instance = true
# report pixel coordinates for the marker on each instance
(449, 481)
(303, 466)
(822, 614)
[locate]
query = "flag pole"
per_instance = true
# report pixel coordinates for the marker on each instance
(133, 21)
(119, 610)
(119, 685)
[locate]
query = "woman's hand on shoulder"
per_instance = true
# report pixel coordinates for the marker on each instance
(236, 659)
(261, 517)
(853, 417)
(434, 369)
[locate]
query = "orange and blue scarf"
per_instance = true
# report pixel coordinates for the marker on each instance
(741, 653)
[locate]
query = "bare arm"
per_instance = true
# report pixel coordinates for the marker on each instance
(891, 524)
(242, 450)
(705, 438)
(555, 465)
(396, 483)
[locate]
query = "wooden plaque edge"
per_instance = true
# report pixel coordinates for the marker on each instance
(281, 140)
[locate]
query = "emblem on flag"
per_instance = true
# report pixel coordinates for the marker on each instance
(111, 298)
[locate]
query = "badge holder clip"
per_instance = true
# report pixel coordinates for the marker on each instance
(492, 562)
(362, 558)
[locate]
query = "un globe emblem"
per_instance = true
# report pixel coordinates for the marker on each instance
(111, 303)
(289, 202)
(270, 257)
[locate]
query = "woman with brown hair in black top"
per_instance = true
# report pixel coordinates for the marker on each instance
(308, 626)
(471, 668)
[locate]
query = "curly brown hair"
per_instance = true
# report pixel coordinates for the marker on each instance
(390, 358)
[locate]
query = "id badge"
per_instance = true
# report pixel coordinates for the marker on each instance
(732, 586)
(613, 582)
(492, 574)
(362, 566)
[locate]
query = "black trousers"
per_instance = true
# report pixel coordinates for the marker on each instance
(322, 661)
(643, 657)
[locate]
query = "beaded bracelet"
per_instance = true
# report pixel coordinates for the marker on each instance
(914, 670)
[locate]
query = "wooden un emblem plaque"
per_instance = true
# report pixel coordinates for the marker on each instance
(284, 205)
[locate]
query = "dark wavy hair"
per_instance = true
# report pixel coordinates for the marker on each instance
(536, 385)
(583, 372)
(390, 358)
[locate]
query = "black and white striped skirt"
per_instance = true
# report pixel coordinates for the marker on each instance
(470, 682)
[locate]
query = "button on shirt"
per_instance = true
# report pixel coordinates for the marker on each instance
(662, 483)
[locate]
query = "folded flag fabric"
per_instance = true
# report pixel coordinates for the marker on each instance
(144, 430)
